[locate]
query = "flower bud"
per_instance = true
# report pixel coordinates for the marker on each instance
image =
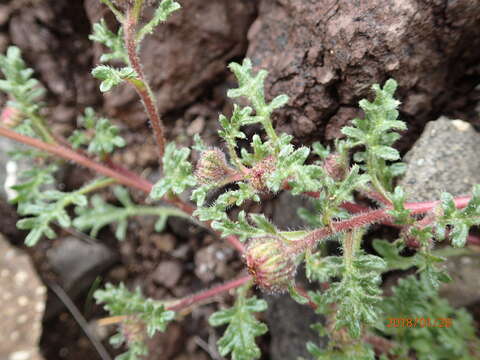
(133, 330)
(11, 117)
(334, 167)
(259, 174)
(212, 167)
(269, 262)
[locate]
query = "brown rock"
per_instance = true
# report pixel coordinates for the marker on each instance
(168, 273)
(185, 54)
(164, 242)
(463, 290)
(53, 37)
(211, 261)
(326, 54)
(23, 302)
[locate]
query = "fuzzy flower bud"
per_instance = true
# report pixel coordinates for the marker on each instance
(133, 330)
(270, 263)
(11, 117)
(259, 173)
(212, 167)
(334, 167)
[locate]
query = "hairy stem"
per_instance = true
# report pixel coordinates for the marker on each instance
(208, 294)
(121, 176)
(368, 218)
(142, 87)
(69, 154)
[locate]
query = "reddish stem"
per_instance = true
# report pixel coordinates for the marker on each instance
(128, 180)
(121, 175)
(143, 89)
(472, 239)
(370, 217)
(204, 295)
(304, 293)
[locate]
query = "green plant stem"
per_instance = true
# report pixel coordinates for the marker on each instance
(234, 158)
(208, 294)
(122, 176)
(371, 165)
(155, 210)
(114, 10)
(348, 249)
(267, 125)
(41, 129)
(137, 8)
(96, 185)
(141, 86)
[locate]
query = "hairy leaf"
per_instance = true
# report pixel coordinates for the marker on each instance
(178, 175)
(243, 327)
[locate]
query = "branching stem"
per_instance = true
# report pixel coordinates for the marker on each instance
(141, 86)
(121, 176)
(208, 294)
(367, 218)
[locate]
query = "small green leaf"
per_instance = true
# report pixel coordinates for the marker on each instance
(239, 337)
(112, 77)
(164, 10)
(102, 214)
(178, 175)
(115, 42)
(24, 91)
(103, 140)
(386, 152)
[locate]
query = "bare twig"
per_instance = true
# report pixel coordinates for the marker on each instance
(82, 322)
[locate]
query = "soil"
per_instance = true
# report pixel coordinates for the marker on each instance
(324, 54)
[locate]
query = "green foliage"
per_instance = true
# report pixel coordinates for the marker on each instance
(24, 90)
(390, 252)
(460, 220)
(426, 262)
(101, 135)
(143, 316)
(177, 173)
(243, 228)
(231, 128)
(357, 294)
(32, 188)
(112, 77)
(402, 216)
(376, 134)
(291, 167)
(164, 10)
(119, 301)
(51, 206)
(355, 351)
(270, 164)
(252, 87)
(102, 214)
(112, 41)
(239, 337)
(416, 299)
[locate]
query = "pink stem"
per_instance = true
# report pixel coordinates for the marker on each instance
(143, 89)
(370, 217)
(129, 180)
(122, 176)
(204, 295)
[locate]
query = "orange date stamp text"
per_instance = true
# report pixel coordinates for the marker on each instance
(405, 322)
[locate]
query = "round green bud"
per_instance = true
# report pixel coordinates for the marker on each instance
(270, 263)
